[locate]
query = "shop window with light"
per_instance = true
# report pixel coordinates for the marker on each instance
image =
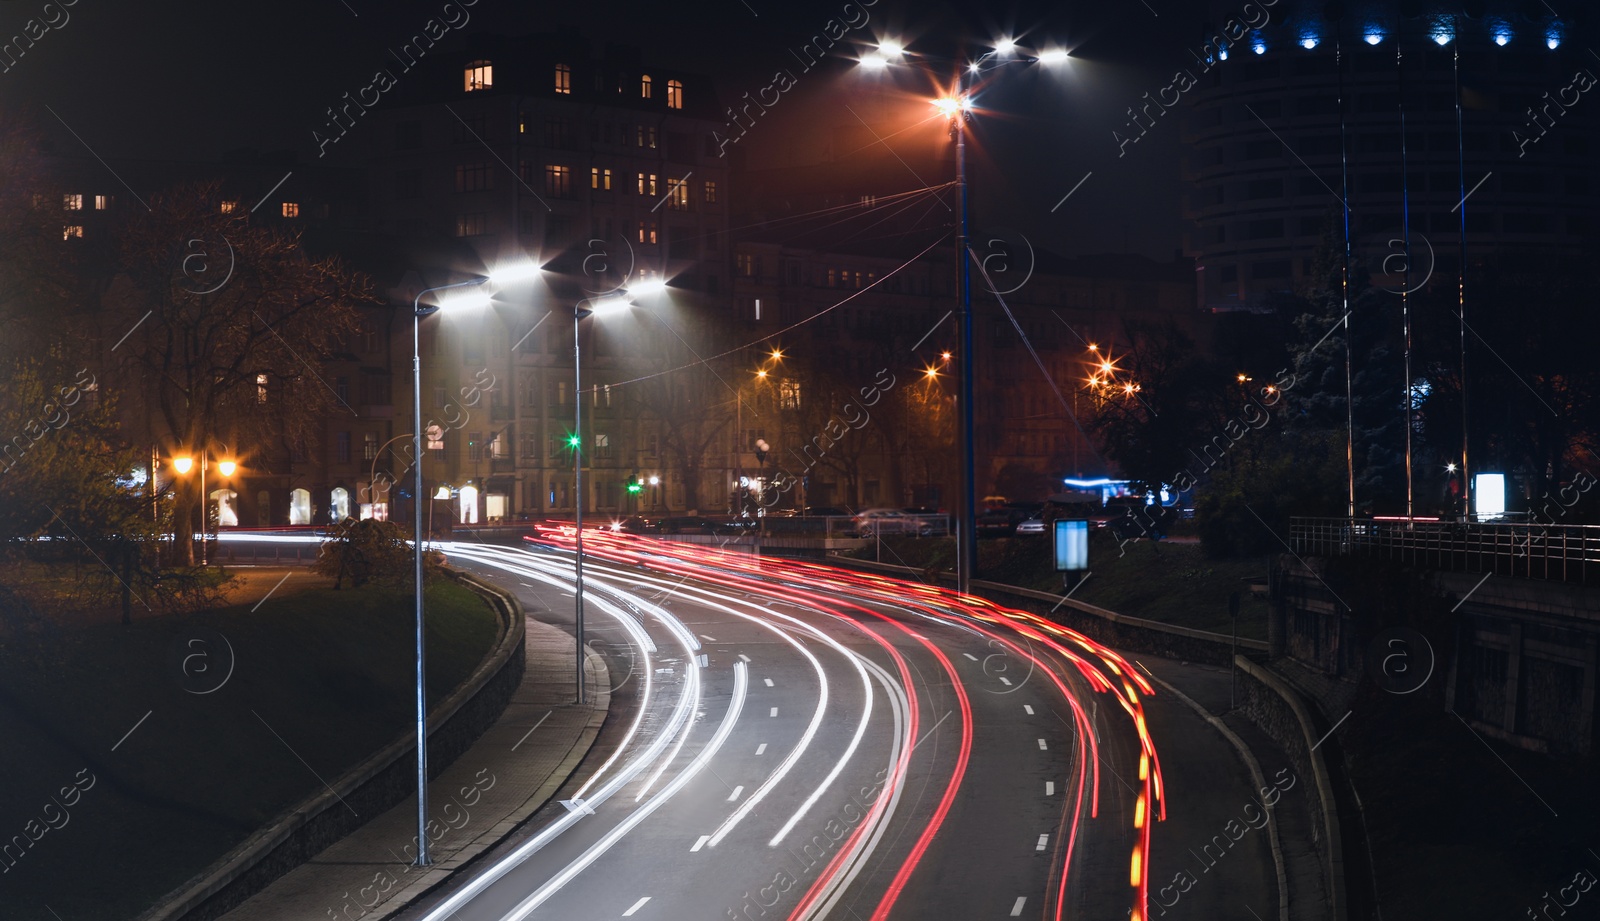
(600, 178)
(72, 231)
(74, 202)
(711, 192)
(564, 79)
(102, 202)
(558, 181)
(300, 506)
(479, 75)
(646, 86)
(647, 183)
(674, 94)
(291, 209)
(339, 504)
(647, 231)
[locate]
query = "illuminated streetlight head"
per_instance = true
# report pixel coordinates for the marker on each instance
(226, 467)
(949, 105)
(874, 61)
(931, 372)
(762, 373)
(1093, 347)
(183, 464)
(890, 48)
(476, 299)
(655, 481)
(615, 303)
(777, 354)
(1053, 56)
(1107, 367)
(521, 270)
(647, 285)
(945, 355)
(1450, 467)
(1005, 46)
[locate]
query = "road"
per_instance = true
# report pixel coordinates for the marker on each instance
(793, 741)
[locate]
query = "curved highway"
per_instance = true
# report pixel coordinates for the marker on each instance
(807, 742)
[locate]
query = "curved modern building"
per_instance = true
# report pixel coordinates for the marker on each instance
(1293, 103)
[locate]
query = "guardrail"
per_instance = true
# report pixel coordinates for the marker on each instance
(1556, 552)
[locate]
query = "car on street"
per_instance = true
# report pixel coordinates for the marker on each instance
(1032, 526)
(875, 522)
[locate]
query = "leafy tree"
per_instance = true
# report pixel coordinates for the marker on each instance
(213, 301)
(372, 551)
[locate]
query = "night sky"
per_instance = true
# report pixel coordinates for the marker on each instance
(190, 81)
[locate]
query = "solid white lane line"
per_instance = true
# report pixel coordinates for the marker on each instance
(735, 794)
(1049, 788)
(636, 906)
(1043, 840)
(1016, 910)
(761, 749)
(1042, 746)
(768, 681)
(709, 639)
(1028, 708)
(970, 656)
(700, 844)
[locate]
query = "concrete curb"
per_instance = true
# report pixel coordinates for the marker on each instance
(1256, 775)
(254, 850)
(1319, 771)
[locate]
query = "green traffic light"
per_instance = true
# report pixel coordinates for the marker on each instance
(635, 488)
(573, 441)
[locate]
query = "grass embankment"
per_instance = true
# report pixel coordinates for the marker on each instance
(1174, 583)
(321, 680)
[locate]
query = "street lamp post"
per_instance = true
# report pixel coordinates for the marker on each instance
(578, 313)
(417, 313)
(957, 108)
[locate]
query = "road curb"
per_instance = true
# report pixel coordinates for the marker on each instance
(1260, 779)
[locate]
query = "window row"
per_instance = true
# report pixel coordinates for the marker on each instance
(479, 75)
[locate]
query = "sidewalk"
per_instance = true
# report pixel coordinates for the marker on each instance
(1207, 688)
(507, 775)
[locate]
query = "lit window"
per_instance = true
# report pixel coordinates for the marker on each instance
(75, 202)
(479, 75)
(678, 194)
(600, 179)
(228, 207)
(564, 79)
(674, 94)
(647, 184)
(558, 181)
(711, 192)
(647, 231)
(747, 266)
(758, 309)
(789, 394)
(72, 230)
(291, 209)
(647, 136)
(261, 388)
(102, 202)
(645, 86)
(867, 201)
(472, 225)
(602, 445)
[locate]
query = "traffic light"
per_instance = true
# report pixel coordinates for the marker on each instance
(573, 441)
(634, 486)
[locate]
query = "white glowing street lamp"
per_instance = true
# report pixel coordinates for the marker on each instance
(478, 298)
(958, 107)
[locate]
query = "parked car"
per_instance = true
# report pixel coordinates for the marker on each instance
(1032, 526)
(878, 521)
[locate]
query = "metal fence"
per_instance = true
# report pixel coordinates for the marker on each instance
(1561, 553)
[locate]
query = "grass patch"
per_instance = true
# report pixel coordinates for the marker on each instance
(1172, 583)
(321, 680)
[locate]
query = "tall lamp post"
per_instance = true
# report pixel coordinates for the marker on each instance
(958, 108)
(417, 313)
(616, 301)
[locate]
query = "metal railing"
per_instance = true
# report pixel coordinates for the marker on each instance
(1559, 553)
